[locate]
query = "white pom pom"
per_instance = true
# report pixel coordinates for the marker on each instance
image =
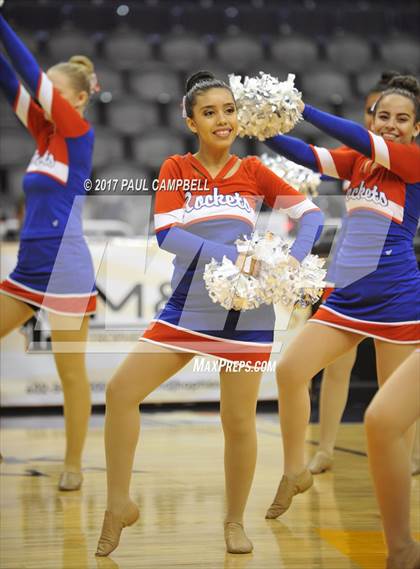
(266, 106)
(1, 3)
(277, 281)
(301, 178)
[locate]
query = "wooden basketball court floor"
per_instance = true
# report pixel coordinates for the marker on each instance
(178, 483)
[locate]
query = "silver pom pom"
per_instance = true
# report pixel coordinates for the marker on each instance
(266, 106)
(301, 178)
(277, 280)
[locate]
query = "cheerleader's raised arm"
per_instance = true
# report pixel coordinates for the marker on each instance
(67, 119)
(26, 109)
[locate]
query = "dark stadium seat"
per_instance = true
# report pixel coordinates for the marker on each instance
(174, 118)
(251, 20)
(325, 85)
(368, 78)
(15, 181)
(184, 51)
(294, 53)
(401, 53)
(90, 17)
(239, 52)
(108, 147)
(126, 49)
(274, 68)
(44, 17)
(305, 131)
(156, 82)
(151, 149)
(310, 18)
(354, 112)
(16, 147)
(63, 44)
(8, 118)
(199, 18)
(149, 18)
(129, 116)
(349, 53)
(368, 20)
(110, 80)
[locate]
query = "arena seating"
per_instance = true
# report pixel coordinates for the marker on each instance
(143, 52)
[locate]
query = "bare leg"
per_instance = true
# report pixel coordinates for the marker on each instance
(238, 403)
(323, 344)
(13, 313)
(391, 413)
(140, 373)
(69, 336)
(334, 393)
(388, 359)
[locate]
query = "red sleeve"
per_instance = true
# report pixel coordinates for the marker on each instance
(278, 194)
(169, 202)
(67, 120)
(29, 113)
(401, 159)
(336, 163)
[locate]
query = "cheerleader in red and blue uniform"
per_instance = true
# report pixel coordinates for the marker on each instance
(336, 376)
(197, 226)
(377, 281)
(54, 268)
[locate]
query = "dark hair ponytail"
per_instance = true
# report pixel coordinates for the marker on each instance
(406, 83)
(198, 83)
(383, 82)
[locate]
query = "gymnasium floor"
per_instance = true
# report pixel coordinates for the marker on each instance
(178, 483)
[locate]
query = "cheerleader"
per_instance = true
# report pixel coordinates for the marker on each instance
(391, 413)
(336, 377)
(54, 268)
(376, 275)
(197, 226)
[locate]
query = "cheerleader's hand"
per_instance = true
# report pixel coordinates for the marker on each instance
(301, 106)
(293, 263)
(248, 265)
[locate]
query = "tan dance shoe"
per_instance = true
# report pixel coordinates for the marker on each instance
(288, 487)
(112, 528)
(70, 481)
(236, 538)
(321, 462)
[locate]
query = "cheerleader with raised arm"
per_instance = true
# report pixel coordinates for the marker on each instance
(377, 281)
(54, 269)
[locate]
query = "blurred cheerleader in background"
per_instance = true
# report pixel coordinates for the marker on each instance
(54, 269)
